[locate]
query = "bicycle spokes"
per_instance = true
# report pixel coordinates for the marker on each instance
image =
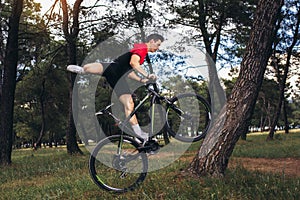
(188, 117)
(114, 171)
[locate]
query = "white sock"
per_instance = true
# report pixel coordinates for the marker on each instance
(137, 130)
(76, 69)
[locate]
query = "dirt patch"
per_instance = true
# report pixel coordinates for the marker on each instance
(287, 166)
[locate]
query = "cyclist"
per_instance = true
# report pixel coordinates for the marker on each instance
(125, 66)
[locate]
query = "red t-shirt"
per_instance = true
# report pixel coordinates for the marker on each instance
(121, 65)
(141, 50)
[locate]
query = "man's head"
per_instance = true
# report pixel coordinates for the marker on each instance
(153, 42)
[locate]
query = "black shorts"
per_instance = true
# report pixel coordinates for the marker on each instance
(117, 79)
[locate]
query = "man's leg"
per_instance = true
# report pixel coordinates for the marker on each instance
(91, 68)
(128, 103)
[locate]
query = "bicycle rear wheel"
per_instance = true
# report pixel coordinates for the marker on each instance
(117, 171)
(188, 117)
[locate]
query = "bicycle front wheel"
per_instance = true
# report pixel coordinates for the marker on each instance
(117, 165)
(188, 117)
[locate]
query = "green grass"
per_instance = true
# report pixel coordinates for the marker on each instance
(256, 146)
(52, 174)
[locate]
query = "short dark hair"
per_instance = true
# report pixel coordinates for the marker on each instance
(155, 37)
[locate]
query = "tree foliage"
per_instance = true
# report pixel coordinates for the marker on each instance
(218, 26)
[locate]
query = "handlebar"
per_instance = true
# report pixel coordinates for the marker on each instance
(153, 84)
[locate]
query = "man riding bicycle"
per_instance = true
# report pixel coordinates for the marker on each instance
(125, 66)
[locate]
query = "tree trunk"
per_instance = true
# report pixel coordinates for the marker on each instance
(282, 81)
(37, 144)
(71, 139)
(212, 158)
(215, 88)
(9, 84)
(244, 136)
(139, 17)
(71, 38)
(286, 122)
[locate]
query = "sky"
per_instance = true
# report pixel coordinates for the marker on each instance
(46, 4)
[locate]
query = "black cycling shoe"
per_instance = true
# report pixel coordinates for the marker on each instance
(152, 147)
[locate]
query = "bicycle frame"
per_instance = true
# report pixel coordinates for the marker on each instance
(156, 98)
(123, 124)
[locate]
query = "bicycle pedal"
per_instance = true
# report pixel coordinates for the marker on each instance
(152, 146)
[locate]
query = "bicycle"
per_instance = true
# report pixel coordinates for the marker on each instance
(119, 163)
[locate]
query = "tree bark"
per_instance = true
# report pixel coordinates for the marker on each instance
(71, 38)
(212, 158)
(9, 84)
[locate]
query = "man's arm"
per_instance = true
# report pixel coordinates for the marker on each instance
(135, 64)
(133, 76)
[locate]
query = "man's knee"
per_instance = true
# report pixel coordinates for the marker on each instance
(85, 67)
(95, 68)
(128, 102)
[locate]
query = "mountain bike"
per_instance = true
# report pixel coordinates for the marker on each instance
(119, 163)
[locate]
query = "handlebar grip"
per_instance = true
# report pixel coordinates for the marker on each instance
(153, 84)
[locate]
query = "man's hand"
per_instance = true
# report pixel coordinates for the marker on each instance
(144, 80)
(152, 77)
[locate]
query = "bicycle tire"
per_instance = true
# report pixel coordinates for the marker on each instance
(114, 172)
(188, 117)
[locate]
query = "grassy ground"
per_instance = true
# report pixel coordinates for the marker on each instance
(52, 174)
(283, 145)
